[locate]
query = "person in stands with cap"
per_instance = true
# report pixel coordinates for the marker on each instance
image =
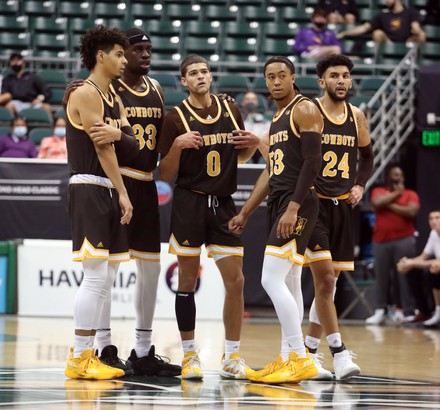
(22, 89)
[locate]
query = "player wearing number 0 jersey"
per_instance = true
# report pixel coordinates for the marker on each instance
(340, 186)
(201, 141)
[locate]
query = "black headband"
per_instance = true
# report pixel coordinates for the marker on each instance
(138, 38)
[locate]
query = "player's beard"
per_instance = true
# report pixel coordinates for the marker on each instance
(333, 96)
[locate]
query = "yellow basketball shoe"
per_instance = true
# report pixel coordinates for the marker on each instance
(293, 371)
(235, 367)
(191, 366)
(257, 376)
(88, 366)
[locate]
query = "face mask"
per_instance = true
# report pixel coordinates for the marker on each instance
(59, 131)
(16, 67)
(250, 107)
(20, 131)
(320, 25)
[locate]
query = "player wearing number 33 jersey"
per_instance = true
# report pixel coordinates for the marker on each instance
(145, 113)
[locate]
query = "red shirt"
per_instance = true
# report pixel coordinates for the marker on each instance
(389, 225)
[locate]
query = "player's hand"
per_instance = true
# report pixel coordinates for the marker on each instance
(236, 224)
(102, 133)
(227, 97)
(190, 139)
(126, 208)
(245, 139)
(287, 222)
(356, 194)
(404, 265)
(435, 266)
(73, 85)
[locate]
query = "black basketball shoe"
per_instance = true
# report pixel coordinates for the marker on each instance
(153, 365)
(109, 356)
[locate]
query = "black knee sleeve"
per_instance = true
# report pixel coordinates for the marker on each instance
(185, 311)
(435, 280)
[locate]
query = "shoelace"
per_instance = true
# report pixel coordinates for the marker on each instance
(111, 360)
(194, 360)
(352, 354)
(272, 366)
(163, 359)
(236, 362)
(318, 358)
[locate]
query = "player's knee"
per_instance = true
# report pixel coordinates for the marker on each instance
(326, 284)
(235, 285)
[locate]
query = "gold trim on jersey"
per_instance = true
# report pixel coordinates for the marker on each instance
(224, 250)
(110, 103)
(134, 92)
(182, 117)
(87, 251)
(234, 121)
(74, 123)
(145, 256)
(136, 174)
(328, 116)
(277, 116)
(344, 196)
(287, 251)
(355, 121)
(311, 256)
(176, 249)
(204, 120)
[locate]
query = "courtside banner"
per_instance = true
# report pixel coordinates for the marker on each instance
(48, 281)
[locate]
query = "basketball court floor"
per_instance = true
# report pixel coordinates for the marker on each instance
(400, 370)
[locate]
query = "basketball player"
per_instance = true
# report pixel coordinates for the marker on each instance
(201, 141)
(97, 194)
(144, 108)
(340, 187)
(294, 160)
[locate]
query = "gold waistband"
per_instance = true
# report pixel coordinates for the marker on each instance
(345, 196)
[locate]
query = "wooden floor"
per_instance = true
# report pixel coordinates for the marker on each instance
(400, 370)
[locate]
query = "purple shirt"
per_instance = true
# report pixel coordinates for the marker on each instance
(308, 36)
(23, 148)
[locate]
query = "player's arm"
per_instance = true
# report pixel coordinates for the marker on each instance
(264, 147)
(366, 158)
(85, 106)
(308, 121)
(260, 191)
(170, 152)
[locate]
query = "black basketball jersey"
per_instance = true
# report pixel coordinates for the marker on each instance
(144, 111)
(339, 153)
(81, 154)
(285, 158)
(212, 169)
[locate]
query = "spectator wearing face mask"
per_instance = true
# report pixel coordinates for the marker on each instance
(16, 144)
(317, 41)
(254, 120)
(22, 89)
(54, 147)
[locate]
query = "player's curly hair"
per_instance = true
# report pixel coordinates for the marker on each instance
(333, 61)
(100, 38)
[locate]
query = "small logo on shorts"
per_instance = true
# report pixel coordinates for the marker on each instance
(185, 242)
(300, 225)
(191, 118)
(226, 114)
(317, 248)
(100, 245)
(287, 112)
(121, 89)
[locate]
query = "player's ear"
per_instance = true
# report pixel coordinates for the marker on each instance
(321, 83)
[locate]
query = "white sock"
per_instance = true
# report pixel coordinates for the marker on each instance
(437, 311)
(334, 340)
(273, 280)
(231, 346)
(80, 343)
(189, 346)
(142, 342)
(312, 342)
(103, 339)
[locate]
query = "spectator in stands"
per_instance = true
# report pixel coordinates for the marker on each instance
(54, 147)
(22, 89)
(339, 11)
(397, 24)
(393, 238)
(429, 258)
(254, 121)
(317, 41)
(16, 144)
